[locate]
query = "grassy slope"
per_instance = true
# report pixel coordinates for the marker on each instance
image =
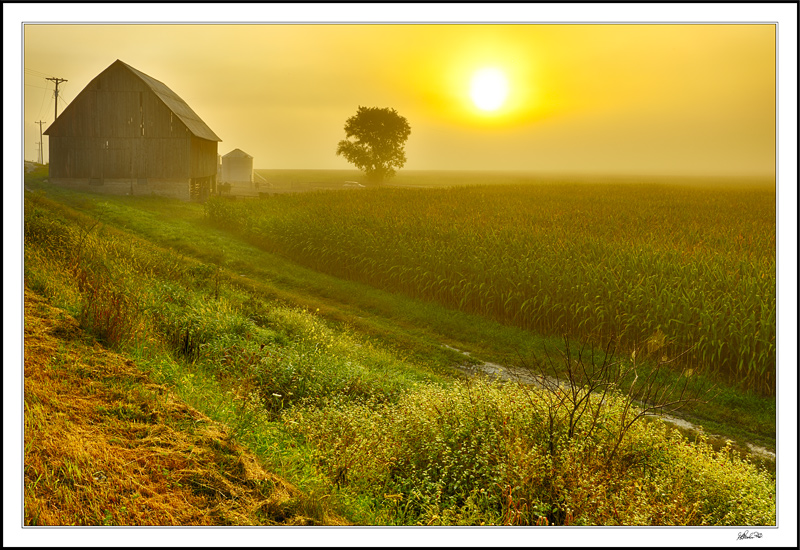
(181, 226)
(104, 445)
(413, 328)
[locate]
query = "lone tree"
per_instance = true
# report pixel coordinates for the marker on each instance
(377, 149)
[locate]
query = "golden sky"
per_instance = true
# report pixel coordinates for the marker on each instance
(694, 99)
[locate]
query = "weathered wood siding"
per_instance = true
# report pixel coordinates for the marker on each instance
(203, 158)
(117, 128)
(174, 188)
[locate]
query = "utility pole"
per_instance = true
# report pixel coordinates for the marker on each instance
(57, 81)
(41, 142)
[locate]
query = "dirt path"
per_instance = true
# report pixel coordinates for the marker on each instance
(106, 446)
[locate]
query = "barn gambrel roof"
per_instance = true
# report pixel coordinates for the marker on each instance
(172, 100)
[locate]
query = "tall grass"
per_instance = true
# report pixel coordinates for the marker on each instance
(682, 266)
(369, 435)
(479, 454)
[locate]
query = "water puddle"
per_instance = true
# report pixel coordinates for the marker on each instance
(524, 376)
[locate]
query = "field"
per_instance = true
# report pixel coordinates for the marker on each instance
(681, 267)
(330, 401)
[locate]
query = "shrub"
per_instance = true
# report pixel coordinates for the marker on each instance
(476, 453)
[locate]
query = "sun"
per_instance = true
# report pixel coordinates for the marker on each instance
(489, 89)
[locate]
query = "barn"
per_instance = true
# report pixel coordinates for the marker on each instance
(127, 133)
(237, 167)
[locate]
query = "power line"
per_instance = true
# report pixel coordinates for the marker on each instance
(37, 74)
(34, 72)
(64, 98)
(42, 104)
(50, 101)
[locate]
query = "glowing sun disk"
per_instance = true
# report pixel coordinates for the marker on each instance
(489, 89)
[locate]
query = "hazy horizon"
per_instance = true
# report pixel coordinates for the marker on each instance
(633, 99)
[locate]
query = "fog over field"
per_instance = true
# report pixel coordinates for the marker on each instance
(616, 99)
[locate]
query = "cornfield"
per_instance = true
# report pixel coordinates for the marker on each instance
(663, 266)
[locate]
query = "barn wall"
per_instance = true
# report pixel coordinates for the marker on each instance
(203, 158)
(97, 157)
(174, 188)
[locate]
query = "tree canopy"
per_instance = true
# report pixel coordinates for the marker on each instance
(378, 137)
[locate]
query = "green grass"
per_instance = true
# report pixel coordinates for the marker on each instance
(413, 328)
(238, 358)
(477, 455)
(104, 445)
(236, 331)
(692, 266)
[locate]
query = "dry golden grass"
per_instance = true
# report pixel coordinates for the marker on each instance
(106, 446)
